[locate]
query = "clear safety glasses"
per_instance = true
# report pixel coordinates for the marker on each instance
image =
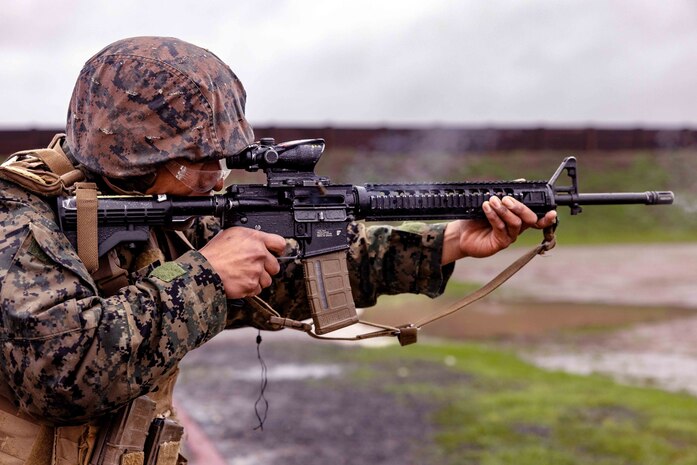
(201, 181)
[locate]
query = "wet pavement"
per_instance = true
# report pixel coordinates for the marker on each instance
(660, 354)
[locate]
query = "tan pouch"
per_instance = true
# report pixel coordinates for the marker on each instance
(24, 441)
(122, 438)
(164, 441)
(74, 444)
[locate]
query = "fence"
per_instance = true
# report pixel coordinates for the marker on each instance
(444, 139)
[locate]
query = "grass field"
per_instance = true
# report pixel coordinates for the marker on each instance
(493, 408)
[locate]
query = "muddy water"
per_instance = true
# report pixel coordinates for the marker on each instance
(672, 372)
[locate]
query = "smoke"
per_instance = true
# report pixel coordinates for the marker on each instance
(687, 202)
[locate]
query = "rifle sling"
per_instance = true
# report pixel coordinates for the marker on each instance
(492, 285)
(407, 334)
(87, 240)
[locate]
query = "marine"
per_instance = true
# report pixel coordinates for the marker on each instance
(85, 339)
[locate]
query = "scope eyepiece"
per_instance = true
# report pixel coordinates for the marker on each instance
(256, 156)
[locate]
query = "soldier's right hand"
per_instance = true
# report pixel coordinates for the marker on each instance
(244, 260)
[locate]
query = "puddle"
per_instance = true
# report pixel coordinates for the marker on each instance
(276, 372)
(672, 372)
(291, 371)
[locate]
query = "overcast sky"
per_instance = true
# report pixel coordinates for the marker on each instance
(372, 62)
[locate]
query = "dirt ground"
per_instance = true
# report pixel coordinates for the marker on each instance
(637, 274)
(315, 418)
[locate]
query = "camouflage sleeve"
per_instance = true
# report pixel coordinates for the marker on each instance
(69, 355)
(202, 231)
(396, 260)
(381, 260)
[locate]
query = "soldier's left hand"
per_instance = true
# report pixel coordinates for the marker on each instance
(505, 220)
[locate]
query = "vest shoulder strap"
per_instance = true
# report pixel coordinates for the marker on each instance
(27, 168)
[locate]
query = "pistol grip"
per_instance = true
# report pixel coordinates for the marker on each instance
(329, 292)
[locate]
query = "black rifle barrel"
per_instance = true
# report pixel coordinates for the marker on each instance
(619, 198)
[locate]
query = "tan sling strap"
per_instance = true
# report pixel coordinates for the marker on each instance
(407, 334)
(87, 240)
(110, 276)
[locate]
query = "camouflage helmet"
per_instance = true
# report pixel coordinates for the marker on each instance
(145, 100)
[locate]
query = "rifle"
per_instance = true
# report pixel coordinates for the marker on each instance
(296, 203)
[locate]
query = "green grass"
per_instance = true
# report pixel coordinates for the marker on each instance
(506, 411)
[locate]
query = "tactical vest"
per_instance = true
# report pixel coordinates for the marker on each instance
(144, 432)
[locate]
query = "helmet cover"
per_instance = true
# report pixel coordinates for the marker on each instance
(143, 101)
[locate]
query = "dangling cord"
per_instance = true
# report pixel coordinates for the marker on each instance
(264, 382)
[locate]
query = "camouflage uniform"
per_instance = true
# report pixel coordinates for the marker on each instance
(71, 351)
